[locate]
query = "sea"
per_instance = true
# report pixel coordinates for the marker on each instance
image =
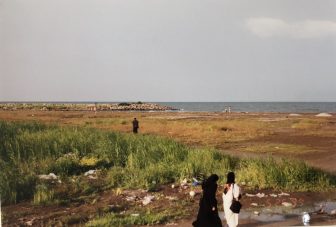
(247, 107)
(276, 107)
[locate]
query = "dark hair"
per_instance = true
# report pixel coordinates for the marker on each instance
(230, 178)
(210, 181)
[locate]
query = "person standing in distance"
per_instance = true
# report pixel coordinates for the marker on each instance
(135, 125)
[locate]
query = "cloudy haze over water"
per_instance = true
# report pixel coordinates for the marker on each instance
(167, 50)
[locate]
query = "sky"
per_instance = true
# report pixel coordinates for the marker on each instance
(167, 50)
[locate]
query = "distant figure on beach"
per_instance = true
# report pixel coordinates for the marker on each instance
(229, 109)
(135, 125)
(231, 191)
(208, 213)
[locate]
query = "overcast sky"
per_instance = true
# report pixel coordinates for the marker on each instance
(167, 50)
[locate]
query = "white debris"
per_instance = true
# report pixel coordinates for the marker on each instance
(184, 186)
(256, 212)
(90, 172)
(92, 177)
(173, 186)
(333, 212)
(147, 199)
(305, 218)
(274, 195)
(30, 223)
(283, 194)
(131, 198)
(260, 195)
(184, 182)
(249, 195)
(172, 198)
(243, 183)
(135, 215)
(323, 115)
(254, 204)
(50, 176)
(286, 204)
(192, 194)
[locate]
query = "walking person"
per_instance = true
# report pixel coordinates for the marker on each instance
(135, 125)
(231, 191)
(208, 212)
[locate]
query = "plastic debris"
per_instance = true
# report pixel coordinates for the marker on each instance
(173, 186)
(135, 215)
(286, 204)
(50, 176)
(254, 204)
(256, 212)
(274, 195)
(333, 212)
(131, 198)
(172, 198)
(184, 182)
(192, 194)
(30, 223)
(260, 195)
(283, 194)
(195, 182)
(90, 172)
(147, 199)
(92, 177)
(249, 195)
(305, 218)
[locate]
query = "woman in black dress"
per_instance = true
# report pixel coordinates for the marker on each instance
(208, 212)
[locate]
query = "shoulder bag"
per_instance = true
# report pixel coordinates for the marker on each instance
(236, 205)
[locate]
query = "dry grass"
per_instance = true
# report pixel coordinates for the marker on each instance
(196, 129)
(271, 148)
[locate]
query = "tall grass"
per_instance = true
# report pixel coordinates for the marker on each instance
(132, 161)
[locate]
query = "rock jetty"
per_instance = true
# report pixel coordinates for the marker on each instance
(124, 106)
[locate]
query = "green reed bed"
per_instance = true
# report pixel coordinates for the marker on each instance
(28, 149)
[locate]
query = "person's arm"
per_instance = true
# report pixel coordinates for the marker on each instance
(236, 192)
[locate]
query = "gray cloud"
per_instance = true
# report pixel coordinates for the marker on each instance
(272, 27)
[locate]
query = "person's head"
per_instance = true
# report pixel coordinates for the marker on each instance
(135, 118)
(230, 178)
(210, 181)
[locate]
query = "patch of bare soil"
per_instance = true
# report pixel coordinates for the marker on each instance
(323, 156)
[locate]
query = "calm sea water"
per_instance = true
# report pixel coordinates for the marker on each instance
(284, 107)
(280, 107)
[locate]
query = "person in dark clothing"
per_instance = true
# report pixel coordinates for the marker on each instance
(208, 212)
(135, 125)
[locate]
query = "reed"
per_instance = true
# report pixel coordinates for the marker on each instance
(28, 149)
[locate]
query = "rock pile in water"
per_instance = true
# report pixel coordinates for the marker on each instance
(139, 106)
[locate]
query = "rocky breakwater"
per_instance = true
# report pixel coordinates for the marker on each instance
(139, 106)
(135, 107)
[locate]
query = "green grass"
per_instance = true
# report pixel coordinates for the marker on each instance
(28, 149)
(143, 218)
